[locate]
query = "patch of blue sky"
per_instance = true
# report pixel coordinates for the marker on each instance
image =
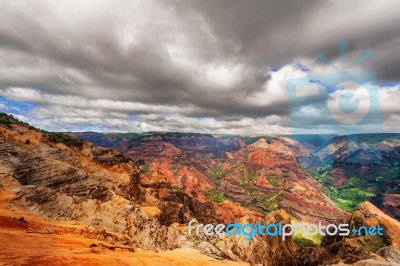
(19, 108)
(389, 83)
(207, 119)
(275, 68)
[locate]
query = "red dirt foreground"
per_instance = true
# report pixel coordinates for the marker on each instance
(29, 239)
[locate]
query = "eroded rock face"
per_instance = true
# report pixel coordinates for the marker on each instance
(150, 208)
(247, 174)
(108, 192)
(265, 250)
(367, 214)
(373, 249)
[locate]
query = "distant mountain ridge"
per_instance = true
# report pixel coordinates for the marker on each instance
(260, 172)
(368, 161)
(80, 201)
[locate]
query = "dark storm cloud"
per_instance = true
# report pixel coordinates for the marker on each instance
(256, 27)
(192, 59)
(276, 32)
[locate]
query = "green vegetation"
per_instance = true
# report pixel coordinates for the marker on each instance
(308, 241)
(377, 179)
(247, 180)
(63, 138)
(182, 134)
(175, 170)
(177, 188)
(320, 174)
(275, 181)
(270, 204)
(346, 197)
(215, 194)
(353, 182)
(8, 120)
(132, 137)
(135, 137)
(5, 121)
(305, 242)
(218, 174)
(263, 212)
(301, 239)
(145, 168)
(376, 245)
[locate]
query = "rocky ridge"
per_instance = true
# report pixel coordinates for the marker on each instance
(129, 207)
(105, 191)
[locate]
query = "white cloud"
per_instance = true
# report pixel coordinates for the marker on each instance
(3, 107)
(183, 65)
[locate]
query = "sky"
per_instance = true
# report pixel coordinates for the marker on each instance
(207, 66)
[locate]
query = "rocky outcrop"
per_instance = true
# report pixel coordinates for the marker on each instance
(146, 200)
(274, 251)
(367, 249)
(251, 175)
(367, 214)
(108, 192)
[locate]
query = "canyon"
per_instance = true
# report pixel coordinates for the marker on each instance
(69, 201)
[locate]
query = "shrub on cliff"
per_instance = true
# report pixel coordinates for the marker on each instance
(7, 120)
(66, 139)
(215, 195)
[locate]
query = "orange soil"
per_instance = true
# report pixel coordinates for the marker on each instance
(41, 241)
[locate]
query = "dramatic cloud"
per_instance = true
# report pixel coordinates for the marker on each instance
(205, 66)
